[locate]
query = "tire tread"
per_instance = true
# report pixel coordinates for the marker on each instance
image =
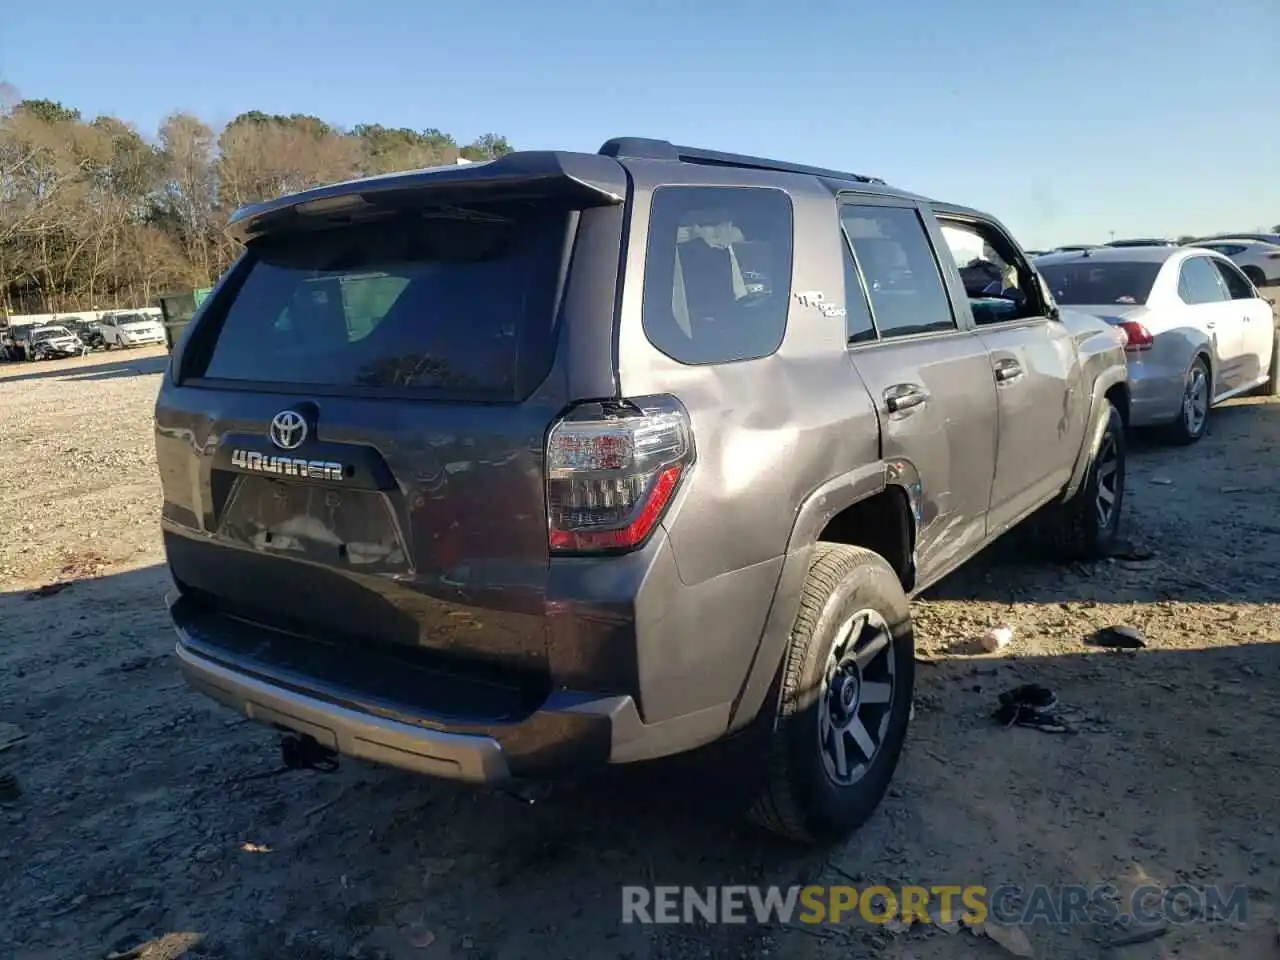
(778, 809)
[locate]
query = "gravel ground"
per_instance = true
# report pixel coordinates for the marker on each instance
(145, 814)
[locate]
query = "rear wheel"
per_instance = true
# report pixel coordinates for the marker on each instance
(1194, 412)
(1258, 278)
(844, 699)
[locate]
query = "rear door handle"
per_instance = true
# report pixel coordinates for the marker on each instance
(902, 397)
(1007, 370)
(1211, 324)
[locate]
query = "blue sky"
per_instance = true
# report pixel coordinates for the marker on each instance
(1066, 119)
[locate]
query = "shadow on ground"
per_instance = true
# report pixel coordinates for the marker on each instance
(80, 370)
(1198, 526)
(145, 810)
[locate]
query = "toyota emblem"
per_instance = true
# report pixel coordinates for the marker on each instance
(288, 429)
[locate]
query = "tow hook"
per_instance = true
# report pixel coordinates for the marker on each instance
(306, 753)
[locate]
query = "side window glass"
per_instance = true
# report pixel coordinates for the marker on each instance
(1198, 282)
(1238, 285)
(857, 316)
(999, 283)
(717, 281)
(893, 252)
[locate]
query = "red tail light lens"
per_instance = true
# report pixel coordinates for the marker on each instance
(612, 470)
(1139, 336)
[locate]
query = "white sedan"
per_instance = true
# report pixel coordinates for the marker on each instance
(1259, 260)
(1198, 331)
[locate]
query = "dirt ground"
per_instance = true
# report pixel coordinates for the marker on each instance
(145, 814)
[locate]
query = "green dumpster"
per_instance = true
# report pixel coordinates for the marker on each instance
(178, 309)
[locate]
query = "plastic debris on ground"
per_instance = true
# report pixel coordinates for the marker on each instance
(997, 638)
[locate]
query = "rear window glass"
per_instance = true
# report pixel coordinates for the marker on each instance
(1092, 282)
(718, 272)
(460, 303)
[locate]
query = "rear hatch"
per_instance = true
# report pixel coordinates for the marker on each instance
(351, 438)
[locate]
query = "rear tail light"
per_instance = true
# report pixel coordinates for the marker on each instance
(1138, 336)
(612, 470)
(1274, 256)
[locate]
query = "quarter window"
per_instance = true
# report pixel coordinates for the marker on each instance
(1238, 285)
(896, 258)
(717, 281)
(1199, 282)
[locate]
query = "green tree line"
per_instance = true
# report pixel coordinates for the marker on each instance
(94, 215)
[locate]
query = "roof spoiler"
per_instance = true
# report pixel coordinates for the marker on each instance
(582, 180)
(643, 148)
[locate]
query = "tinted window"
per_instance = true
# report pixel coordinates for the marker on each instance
(430, 303)
(1238, 286)
(893, 252)
(1198, 282)
(857, 318)
(1096, 282)
(717, 272)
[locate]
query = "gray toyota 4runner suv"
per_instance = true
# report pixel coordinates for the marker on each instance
(518, 469)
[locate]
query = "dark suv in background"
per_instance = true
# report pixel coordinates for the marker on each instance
(520, 468)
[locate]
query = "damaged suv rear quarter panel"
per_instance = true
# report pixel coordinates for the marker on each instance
(1104, 372)
(770, 432)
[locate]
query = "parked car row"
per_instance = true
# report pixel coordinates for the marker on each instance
(1257, 254)
(73, 336)
(51, 342)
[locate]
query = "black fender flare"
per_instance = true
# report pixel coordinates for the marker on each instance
(1096, 425)
(812, 516)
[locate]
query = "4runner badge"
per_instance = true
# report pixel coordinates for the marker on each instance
(816, 298)
(299, 467)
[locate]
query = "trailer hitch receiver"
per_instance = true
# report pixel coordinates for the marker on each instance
(306, 753)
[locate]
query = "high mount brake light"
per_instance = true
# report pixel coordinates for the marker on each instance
(1139, 336)
(612, 472)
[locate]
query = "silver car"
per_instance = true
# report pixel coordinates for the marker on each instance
(1198, 331)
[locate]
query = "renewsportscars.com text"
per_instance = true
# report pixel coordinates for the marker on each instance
(1007, 904)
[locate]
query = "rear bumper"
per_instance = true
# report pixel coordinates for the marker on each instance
(570, 732)
(1155, 393)
(363, 736)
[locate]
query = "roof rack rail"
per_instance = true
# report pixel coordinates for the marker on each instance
(643, 148)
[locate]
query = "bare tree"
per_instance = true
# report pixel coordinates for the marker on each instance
(93, 214)
(190, 185)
